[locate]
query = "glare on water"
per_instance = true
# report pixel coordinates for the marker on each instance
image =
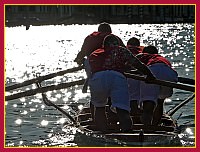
(43, 50)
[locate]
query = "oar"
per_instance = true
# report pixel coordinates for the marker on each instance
(186, 80)
(162, 82)
(44, 89)
(180, 79)
(80, 82)
(42, 78)
(176, 108)
(49, 103)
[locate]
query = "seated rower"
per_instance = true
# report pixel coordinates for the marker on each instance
(152, 96)
(133, 45)
(107, 80)
(91, 43)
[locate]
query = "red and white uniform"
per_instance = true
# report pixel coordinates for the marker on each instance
(107, 79)
(91, 43)
(162, 70)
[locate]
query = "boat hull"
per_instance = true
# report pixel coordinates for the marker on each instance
(139, 133)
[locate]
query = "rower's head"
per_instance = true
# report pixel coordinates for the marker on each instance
(150, 49)
(133, 42)
(104, 27)
(111, 41)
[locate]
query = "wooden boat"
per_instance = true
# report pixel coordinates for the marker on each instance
(167, 128)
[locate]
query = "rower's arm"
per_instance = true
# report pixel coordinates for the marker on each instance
(136, 63)
(80, 57)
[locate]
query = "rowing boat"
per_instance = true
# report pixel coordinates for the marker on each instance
(167, 129)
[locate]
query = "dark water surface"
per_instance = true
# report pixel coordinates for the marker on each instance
(43, 50)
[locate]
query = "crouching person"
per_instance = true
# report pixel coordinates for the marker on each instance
(152, 96)
(107, 80)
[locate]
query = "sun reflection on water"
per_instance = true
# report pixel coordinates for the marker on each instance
(61, 121)
(189, 131)
(49, 49)
(24, 112)
(44, 123)
(18, 122)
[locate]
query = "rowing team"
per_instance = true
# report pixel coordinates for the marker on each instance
(107, 60)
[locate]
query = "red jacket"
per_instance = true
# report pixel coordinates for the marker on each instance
(92, 42)
(149, 59)
(115, 58)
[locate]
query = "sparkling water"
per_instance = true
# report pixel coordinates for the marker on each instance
(43, 50)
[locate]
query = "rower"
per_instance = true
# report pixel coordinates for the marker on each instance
(107, 80)
(92, 42)
(133, 44)
(152, 96)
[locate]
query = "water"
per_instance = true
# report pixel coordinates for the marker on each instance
(43, 50)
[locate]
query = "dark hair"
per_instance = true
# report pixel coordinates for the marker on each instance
(133, 41)
(110, 39)
(104, 27)
(150, 49)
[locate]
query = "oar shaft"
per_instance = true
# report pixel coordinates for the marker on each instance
(80, 82)
(49, 103)
(163, 83)
(180, 79)
(186, 80)
(171, 112)
(64, 112)
(42, 78)
(44, 89)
